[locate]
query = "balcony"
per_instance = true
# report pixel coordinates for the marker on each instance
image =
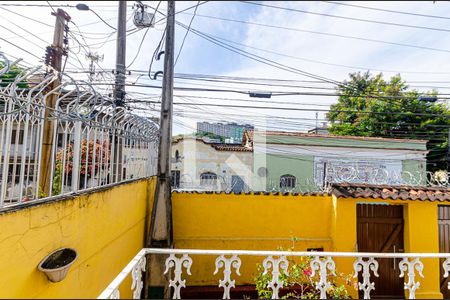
(228, 265)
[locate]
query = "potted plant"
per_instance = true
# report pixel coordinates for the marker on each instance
(57, 264)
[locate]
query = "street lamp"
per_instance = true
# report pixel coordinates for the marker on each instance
(431, 99)
(260, 95)
(84, 7)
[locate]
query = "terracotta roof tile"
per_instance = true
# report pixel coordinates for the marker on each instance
(265, 193)
(218, 146)
(231, 147)
(419, 193)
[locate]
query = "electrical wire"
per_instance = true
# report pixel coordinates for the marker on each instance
(349, 18)
(325, 34)
(389, 10)
(319, 61)
(305, 109)
(143, 38)
(26, 17)
(106, 23)
(24, 50)
(187, 32)
(181, 11)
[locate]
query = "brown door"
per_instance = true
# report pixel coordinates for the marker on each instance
(444, 243)
(380, 229)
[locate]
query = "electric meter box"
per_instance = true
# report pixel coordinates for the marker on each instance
(143, 19)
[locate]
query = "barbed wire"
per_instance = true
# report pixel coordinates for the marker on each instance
(314, 184)
(94, 142)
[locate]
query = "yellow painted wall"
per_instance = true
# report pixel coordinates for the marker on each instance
(106, 228)
(420, 236)
(249, 222)
(264, 222)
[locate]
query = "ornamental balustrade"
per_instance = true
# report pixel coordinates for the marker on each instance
(228, 262)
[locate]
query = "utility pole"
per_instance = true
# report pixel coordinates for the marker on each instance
(160, 233)
(119, 88)
(161, 221)
(53, 58)
(317, 121)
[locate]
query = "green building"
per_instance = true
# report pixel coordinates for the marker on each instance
(305, 162)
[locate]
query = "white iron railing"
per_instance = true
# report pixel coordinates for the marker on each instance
(274, 263)
(95, 143)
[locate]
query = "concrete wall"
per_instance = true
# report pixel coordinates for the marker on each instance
(300, 155)
(420, 236)
(198, 157)
(267, 222)
(106, 227)
(247, 222)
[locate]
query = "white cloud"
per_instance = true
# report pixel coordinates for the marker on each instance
(299, 44)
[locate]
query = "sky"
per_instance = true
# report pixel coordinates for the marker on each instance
(293, 35)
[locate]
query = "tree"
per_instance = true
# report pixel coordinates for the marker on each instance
(9, 76)
(368, 105)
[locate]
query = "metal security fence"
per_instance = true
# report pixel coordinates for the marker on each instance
(94, 143)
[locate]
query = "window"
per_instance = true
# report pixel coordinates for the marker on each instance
(287, 181)
(177, 156)
(237, 184)
(14, 136)
(175, 179)
(371, 171)
(208, 178)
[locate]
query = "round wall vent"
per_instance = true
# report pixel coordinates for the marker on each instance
(262, 172)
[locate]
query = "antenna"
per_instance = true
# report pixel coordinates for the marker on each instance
(94, 57)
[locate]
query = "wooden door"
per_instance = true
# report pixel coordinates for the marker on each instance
(444, 244)
(380, 229)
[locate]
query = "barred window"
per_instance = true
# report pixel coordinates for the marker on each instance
(208, 178)
(287, 181)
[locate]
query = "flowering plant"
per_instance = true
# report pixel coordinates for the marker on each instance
(89, 151)
(299, 283)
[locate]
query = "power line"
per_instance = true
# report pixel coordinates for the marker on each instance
(26, 17)
(273, 93)
(268, 61)
(349, 18)
(143, 37)
(328, 34)
(187, 32)
(389, 10)
(302, 109)
(34, 5)
(259, 58)
(257, 79)
(181, 11)
(32, 54)
(106, 23)
(318, 61)
(189, 98)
